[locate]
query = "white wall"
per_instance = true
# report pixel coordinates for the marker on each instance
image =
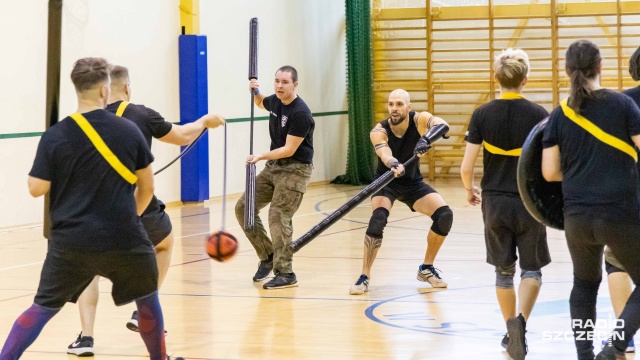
(306, 34)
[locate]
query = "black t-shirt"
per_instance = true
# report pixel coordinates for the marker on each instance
(294, 119)
(152, 125)
(149, 121)
(634, 94)
(504, 124)
(598, 179)
(92, 207)
(402, 148)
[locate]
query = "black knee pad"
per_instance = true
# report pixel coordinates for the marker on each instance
(377, 222)
(442, 220)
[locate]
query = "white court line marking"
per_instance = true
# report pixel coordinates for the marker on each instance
(20, 228)
(20, 266)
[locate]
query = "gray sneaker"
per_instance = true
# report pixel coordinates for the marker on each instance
(430, 275)
(517, 346)
(281, 281)
(361, 286)
(505, 341)
(610, 353)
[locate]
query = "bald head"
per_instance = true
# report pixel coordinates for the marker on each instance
(399, 106)
(401, 94)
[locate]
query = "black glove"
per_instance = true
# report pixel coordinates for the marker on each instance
(395, 166)
(423, 146)
(434, 134)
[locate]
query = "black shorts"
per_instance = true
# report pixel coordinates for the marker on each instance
(407, 193)
(508, 227)
(611, 269)
(156, 222)
(66, 273)
(612, 264)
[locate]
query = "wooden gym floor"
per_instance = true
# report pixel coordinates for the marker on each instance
(214, 310)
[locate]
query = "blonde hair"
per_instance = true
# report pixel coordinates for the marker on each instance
(511, 67)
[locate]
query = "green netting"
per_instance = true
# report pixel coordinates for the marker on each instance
(360, 155)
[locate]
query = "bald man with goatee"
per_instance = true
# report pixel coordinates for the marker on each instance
(394, 140)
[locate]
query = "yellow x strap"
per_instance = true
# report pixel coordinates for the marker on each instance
(598, 133)
(121, 108)
(103, 149)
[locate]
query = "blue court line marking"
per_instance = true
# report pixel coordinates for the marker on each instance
(370, 310)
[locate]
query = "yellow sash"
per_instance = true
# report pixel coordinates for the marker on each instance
(510, 96)
(496, 150)
(123, 105)
(103, 149)
(598, 133)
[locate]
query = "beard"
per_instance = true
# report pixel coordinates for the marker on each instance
(397, 121)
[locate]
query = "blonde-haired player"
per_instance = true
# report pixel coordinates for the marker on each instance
(501, 127)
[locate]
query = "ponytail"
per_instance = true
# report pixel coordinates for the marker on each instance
(581, 64)
(579, 90)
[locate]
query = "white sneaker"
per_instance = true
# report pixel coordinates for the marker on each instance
(361, 286)
(430, 275)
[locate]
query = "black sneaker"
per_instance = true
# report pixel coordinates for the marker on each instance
(83, 346)
(264, 269)
(517, 346)
(132, 324)
(174, 358)
(610, 353)
(505, 341)
(281, 281)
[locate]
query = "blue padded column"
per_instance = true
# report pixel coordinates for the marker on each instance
(193, 104)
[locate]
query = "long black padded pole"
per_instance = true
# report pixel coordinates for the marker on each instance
(439, 132)
(54, 41)
(250, 185)
(369, 190)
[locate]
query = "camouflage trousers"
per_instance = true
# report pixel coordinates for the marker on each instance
(283, 184)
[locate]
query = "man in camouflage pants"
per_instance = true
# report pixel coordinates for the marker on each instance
(283, 181)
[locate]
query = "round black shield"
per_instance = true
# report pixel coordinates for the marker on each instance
(542, 199)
